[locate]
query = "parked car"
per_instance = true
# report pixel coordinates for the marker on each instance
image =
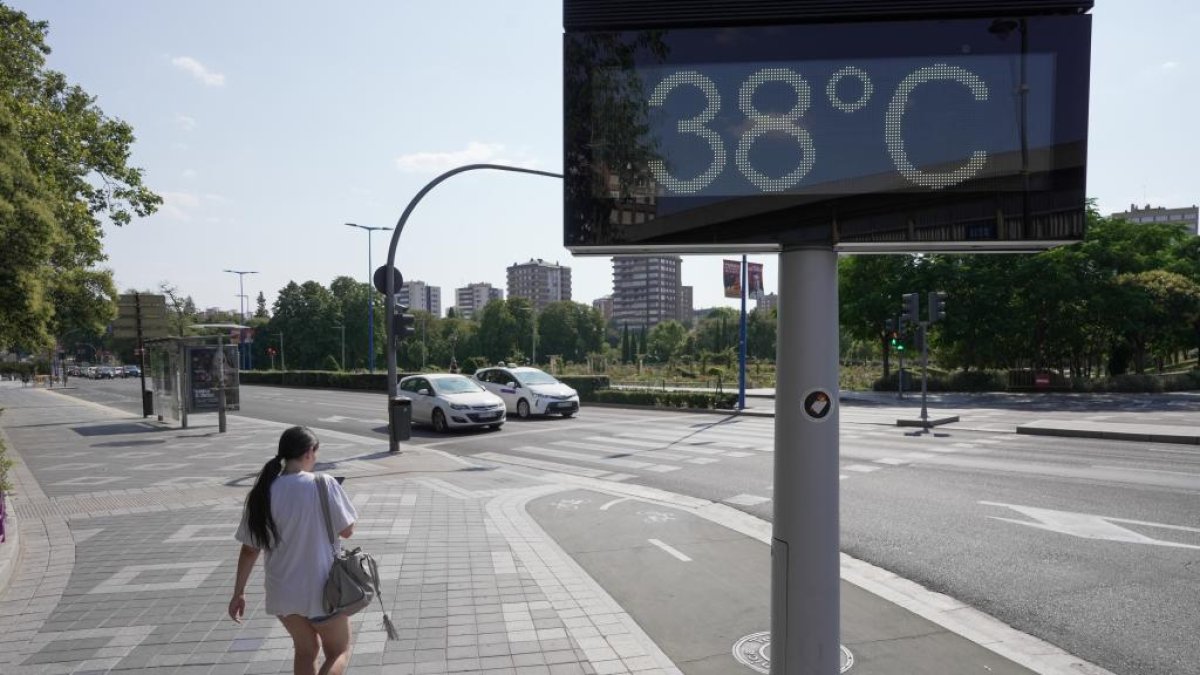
(529, 391)
(132, 371)
(448, 401)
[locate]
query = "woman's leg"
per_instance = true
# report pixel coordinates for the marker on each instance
(304, 639)
(335, 644)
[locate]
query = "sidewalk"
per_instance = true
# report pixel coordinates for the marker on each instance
(127, 560)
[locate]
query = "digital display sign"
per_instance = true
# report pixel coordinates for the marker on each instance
(967, 134)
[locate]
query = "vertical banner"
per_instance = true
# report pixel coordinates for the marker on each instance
(754, 284)
(733, 279)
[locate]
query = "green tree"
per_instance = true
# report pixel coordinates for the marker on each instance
(261, 311)
(63, 166)
(1160, 308)
(666, 341)
(306, 315)
(498, 329)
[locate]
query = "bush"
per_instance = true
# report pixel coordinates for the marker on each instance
(585, 384)
(976, 380)
(663, 399)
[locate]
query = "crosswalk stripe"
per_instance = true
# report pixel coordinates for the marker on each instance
(689, 440)
(542, 464)
(659, 444)
(592, 459)
(892, 461)
(612, 449)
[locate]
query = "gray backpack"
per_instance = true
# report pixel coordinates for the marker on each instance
(354, 578)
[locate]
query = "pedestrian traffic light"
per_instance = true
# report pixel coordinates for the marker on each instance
(402, 323)
(937, 306)
(910, 308)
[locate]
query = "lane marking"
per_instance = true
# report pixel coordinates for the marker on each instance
(1189, 474)
(670, 550)
(746, 500)
(892, 461)
(862, 468)
(606, 506)
(1090, 526)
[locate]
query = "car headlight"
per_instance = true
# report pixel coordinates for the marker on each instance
(459, 406)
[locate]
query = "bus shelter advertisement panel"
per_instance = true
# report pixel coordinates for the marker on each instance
(206, 372)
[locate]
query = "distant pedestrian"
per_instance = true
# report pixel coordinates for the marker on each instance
(283, 517)
(453, 365)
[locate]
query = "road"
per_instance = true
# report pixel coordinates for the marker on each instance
(1091, 545)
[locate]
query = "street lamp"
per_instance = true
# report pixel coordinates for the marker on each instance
(370, 296)
(242, 290)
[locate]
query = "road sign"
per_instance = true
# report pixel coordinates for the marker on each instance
(379, 279)
(153, 312)
(931, 133)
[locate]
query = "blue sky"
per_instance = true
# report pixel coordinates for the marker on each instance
(267, 125)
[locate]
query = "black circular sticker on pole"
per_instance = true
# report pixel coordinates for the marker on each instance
(817, 405)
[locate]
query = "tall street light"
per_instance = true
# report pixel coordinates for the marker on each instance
(370, 296)
(242, 289)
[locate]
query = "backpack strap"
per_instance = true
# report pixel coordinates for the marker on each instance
(323, 491)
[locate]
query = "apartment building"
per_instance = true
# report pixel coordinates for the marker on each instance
(540, 282)
(646, 290)
(470, 300)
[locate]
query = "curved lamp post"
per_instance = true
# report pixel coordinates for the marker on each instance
(390, 296)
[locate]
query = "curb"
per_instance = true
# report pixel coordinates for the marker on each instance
(10, 550)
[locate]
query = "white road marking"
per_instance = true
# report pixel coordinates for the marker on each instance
(616, 450)
(862, 468)
(606, 505)
(592, 459)
(670, 550)
(892, 461)
(917, 455)
(1088, 526)
(746, 500)
(1190, 474)
(542, 464)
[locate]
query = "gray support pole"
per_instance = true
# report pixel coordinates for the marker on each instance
(805, 571)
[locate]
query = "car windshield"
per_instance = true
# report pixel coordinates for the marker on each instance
(455, 385)
(535, 377)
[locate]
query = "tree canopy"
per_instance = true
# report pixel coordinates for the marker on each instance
(63, 167)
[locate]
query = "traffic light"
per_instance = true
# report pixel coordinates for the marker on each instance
(937, 306)
(910, 308)
(402, 323)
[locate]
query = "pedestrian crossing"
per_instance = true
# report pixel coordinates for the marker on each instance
(641, 450)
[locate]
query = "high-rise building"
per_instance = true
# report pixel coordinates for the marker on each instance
(767, 302)
(419, 295)
(539, 282)
(470, 300)
(1187, 215)
(685, 305)
(604, 306)
(646, 290)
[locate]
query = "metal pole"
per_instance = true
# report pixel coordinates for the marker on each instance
(370, 312)
(343, 327)
(924, 373)
(805, 591)
(137, 298)
(220, 384)
(390, 279)
(742, 343)
(533, 311)
(900, 379)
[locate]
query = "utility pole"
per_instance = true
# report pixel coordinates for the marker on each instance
(370, 298)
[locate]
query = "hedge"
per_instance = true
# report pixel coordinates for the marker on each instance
(328, 379)
(663, 399)
(1024, 380)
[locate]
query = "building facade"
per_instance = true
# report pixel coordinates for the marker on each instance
(539, 282)
(419, 295)
(470, 300)
(646, 290)
(685, 305)
(1186, 215)
(604, 306)
(767, 302)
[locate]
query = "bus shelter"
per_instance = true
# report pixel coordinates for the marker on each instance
(194, 375)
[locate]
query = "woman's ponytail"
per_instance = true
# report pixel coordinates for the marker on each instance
(292, 445)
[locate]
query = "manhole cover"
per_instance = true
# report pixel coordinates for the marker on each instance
(754, 651)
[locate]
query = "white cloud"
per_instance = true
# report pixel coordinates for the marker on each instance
(186, 123)
(474, 153)
(188, 206)
(189, 173)
(197, 70)
(1169, 65)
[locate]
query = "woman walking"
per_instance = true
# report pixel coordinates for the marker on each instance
(283, 517)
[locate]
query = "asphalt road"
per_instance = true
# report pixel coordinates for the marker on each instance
(1091, 545)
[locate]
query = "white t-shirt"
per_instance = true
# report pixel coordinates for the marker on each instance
(299, 563)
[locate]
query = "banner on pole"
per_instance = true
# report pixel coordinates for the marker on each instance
(733, 278)
(754, 280)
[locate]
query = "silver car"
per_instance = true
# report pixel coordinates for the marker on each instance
(447, 401)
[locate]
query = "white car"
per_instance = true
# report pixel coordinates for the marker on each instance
(529, 391)
(448, 401)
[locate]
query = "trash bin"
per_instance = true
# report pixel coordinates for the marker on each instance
(400, 418)
(147, 403)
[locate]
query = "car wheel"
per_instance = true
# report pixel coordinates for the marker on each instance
(523, 409)
(439, 422)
